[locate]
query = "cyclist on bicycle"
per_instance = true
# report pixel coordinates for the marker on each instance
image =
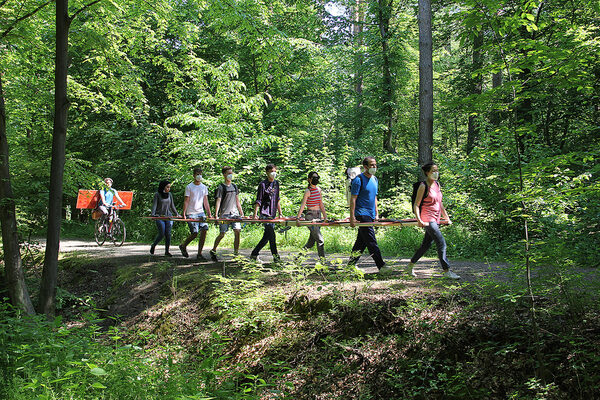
(107, 196)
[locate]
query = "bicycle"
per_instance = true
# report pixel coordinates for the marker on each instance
(110, 227)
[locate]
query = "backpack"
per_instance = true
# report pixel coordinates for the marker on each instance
(351, 173)
(413, 196)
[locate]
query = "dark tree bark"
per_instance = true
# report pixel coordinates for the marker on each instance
(61, 106)
(425, 83)
(15, 278)
(476, 87)
(384, 13)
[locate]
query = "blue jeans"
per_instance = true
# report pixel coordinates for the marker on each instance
(164, 231)
(366, 239)
(433, 234)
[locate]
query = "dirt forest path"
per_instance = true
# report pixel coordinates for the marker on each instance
(426, 268)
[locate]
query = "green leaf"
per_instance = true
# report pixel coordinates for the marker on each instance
(98, 371)
(98, 385)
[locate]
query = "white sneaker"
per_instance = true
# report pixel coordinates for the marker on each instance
(257, 260)
(409, 270)
(451, 275)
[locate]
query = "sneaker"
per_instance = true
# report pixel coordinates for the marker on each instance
(183, 251)
(451, 275)
(257, 260)
(213, 256)
(276, 258)
(152, 249)
(409, 270)
(200, 257)
(167, 254)
(352, 261)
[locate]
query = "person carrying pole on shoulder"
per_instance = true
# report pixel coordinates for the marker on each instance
(195, 206)
(363, 208)
(313, 201)
(227, 206)
(267, 201)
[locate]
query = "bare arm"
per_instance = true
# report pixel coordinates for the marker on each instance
(118, 198)
(239, 205)
(303, 204)
(207, 207)
(376, 209)
(445, 215)
(217, 206)
(322, 206)
(186, 202)
(352, 209)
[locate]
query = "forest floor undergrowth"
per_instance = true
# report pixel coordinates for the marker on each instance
(306, 330)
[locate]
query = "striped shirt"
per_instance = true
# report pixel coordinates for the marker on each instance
(314, 199)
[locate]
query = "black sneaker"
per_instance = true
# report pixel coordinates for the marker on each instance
(183, 251)
(200, 257)
(167, 254)
(213, 256)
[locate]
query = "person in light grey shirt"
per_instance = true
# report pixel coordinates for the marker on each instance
(163, 206)
(227, 207)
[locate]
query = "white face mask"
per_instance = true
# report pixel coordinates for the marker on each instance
(273, 175)
(199, 178)
(230, 177)
(372, 171)
(435, 175)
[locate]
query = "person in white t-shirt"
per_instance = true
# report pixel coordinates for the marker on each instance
(195, 206)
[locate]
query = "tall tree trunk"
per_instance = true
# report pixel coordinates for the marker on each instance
(384, 13)
(15, 278)
(357, 30)
(425, 83)
(61, 107)
(473, 127)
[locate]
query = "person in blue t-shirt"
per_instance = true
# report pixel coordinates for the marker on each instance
(363, 208)
(107, 197)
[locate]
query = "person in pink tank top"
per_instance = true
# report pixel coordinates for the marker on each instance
(429, 210)
(313, 201)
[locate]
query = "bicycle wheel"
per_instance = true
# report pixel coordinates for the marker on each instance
(100, 231)
(118, 232)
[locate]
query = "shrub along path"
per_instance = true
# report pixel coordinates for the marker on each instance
(331, 336)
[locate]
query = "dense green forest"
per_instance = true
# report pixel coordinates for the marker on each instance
(155, 88)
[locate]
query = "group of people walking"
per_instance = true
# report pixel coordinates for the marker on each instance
(428, 209)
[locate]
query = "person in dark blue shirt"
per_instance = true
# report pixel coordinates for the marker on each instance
(267, 201)
(363, 208)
